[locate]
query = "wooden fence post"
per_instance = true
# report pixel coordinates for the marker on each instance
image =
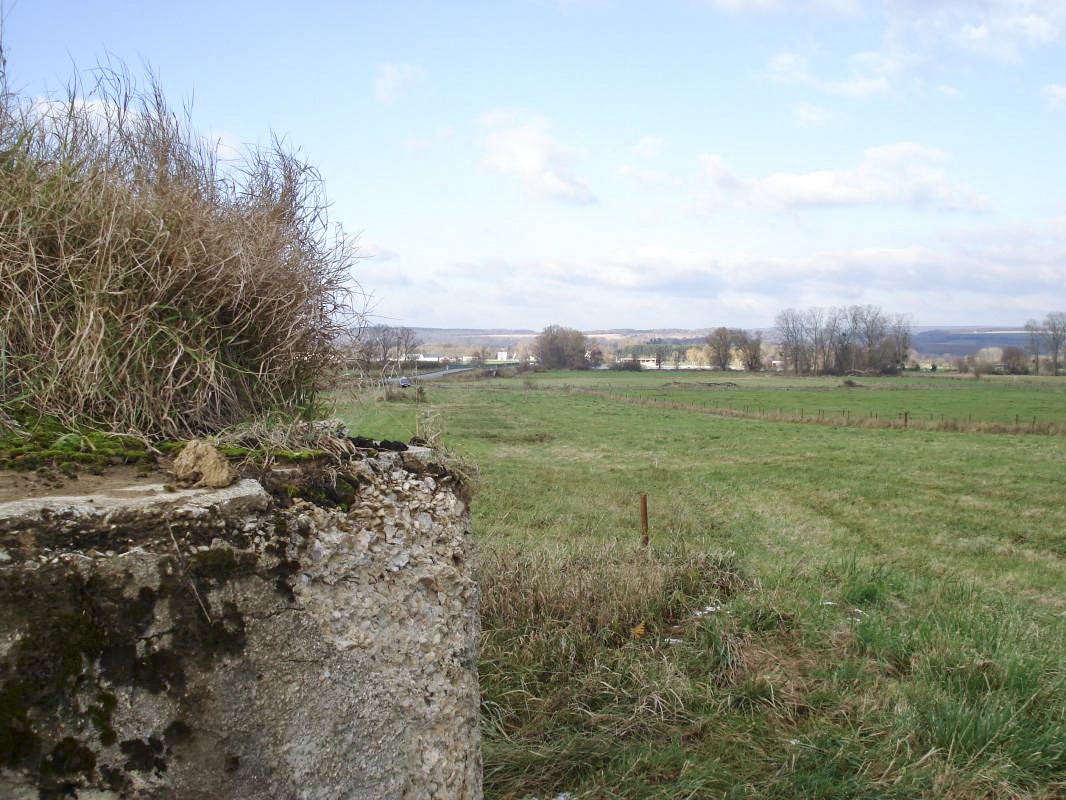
(643, 520)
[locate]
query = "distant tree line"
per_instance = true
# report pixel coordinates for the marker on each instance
(826, 341)
(381, 350)
(840, 340)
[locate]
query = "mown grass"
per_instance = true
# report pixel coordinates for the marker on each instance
(825, 611)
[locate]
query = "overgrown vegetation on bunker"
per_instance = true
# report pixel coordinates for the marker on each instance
(148, 290)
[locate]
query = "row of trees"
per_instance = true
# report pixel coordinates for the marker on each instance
(811, 341)
(839, 340)
(1047, 338)
(381, 350)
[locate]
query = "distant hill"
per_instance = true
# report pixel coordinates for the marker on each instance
(966, 341)
(927, 340)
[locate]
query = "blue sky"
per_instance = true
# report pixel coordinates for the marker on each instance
(681, 163)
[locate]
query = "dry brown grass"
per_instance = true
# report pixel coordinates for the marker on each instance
(148, 288)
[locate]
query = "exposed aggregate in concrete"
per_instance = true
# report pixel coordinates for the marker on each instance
(206, 643)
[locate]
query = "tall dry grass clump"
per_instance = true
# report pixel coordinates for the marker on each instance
(149, 287)
(577, 654)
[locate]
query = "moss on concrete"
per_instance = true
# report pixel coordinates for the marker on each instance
(84, 636)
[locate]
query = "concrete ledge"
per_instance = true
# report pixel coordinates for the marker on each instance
(211, 644)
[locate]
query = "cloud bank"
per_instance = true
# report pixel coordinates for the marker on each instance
(522, 147)
(901, 174)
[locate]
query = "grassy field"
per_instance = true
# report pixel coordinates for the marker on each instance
(826, 611)
(998, 400)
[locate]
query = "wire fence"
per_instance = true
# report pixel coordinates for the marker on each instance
(845, 417)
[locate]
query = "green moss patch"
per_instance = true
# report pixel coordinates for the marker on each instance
(47, 443)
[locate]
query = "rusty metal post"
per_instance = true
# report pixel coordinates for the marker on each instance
(643, 520)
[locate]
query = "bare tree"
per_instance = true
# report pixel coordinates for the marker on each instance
(407, 342)
(813, 338)
(1035, 340)
(899, 339)
(372, 350)
(750, 346)
(720, 345)
(790, 332)
(1014, 360)
(1054, 335)
(383, 350)
(868, 329)
(838, 337)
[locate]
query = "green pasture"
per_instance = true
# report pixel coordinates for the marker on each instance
(825, 611)
(1005, 400)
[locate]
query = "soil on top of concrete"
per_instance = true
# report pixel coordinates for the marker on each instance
(23, 485)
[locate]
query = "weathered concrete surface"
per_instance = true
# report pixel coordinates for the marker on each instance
(213, 644)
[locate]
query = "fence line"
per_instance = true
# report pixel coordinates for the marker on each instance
(904, 420)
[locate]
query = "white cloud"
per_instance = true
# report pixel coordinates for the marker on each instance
(790, 68)
(422, 144)
(104, 114)
(1055, 95)
(521, 146)
(869, 74)
(647, 177)
(997, 29)
(717, 174)
(922, 35)
(415, 145)
(858, 86)
(892, 175)
(848, 7)
(379, 266)
(965, 279)
(647, 147)
(391, 79)
(747, 5)
(368, 249)
(227, 146)
(809, 115)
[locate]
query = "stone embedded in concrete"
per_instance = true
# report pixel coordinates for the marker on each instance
(201, 464)
(211, 644)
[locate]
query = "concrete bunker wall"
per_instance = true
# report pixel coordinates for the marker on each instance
(162, 643)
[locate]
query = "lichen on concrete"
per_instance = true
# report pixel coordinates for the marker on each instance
(222, 644)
